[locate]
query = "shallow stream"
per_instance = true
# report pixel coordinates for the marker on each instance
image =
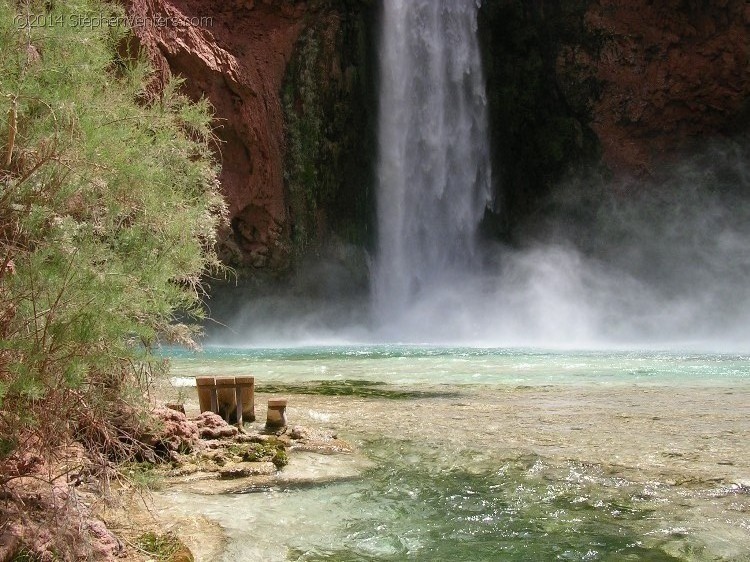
(482, 454)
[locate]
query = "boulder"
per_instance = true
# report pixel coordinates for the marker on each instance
(176, 433)
(213, 426)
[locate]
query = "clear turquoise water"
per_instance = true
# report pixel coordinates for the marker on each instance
(413, 506)
(435, 500)
(396, 364)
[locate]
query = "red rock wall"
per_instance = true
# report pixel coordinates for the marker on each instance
(236, 58)
(670, 71)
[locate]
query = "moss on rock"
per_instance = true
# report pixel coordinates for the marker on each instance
(329, 111)
(164, 547)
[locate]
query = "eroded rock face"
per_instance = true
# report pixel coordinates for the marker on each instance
(235, 54)
(292, 83)
(668, 72)
(629, 84)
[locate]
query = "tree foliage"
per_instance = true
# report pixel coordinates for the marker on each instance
(108, 210)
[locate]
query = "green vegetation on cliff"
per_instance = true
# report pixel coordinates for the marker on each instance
(108, 209)
(329, 112)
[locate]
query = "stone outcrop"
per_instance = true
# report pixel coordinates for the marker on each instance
(175, 432)
(213, 426)
(253, 452)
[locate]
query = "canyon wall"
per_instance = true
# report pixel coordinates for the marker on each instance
(669, 73)
(330, 105)
(619, 84)
(285, 80)
(625, 84)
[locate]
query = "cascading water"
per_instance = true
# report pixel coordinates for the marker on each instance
(434, 170)
(665, 267)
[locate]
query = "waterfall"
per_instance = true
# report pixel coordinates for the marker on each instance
(433, 168)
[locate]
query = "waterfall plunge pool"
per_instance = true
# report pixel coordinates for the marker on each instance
(482, 454)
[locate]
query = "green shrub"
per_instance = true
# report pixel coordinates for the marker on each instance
(108, 211)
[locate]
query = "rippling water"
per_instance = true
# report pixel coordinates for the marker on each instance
(461, 365)
(515, 455)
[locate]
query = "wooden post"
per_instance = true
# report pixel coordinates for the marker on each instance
(247, 386)
(221, 393)
(225, 393)
(238, 401)
(206, 393)
(214, 400)
(276, 416)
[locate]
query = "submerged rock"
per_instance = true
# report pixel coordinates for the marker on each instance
(244, 469)
(299, 432)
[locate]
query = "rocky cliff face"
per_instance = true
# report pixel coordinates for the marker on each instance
(668, 73)
(330, 112)
(625, 83)
(237, 54)
(622, 82)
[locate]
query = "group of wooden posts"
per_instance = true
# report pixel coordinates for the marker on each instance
(233, 398)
